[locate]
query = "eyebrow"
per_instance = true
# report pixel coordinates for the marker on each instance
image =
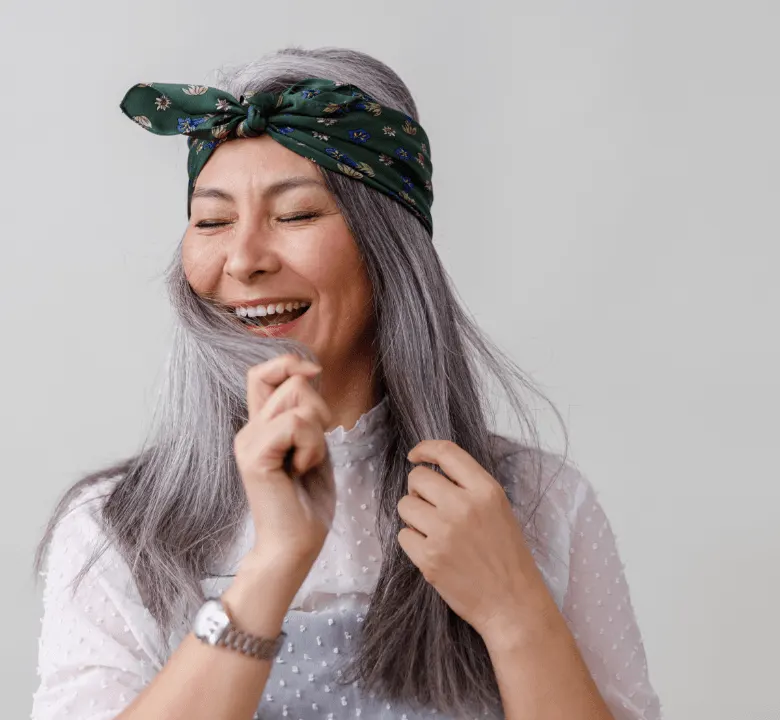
(271, 191)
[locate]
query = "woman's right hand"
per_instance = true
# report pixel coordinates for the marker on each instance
(292, 517)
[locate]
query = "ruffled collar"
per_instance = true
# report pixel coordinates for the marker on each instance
(365, 439)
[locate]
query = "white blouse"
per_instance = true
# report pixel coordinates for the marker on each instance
(99, 649)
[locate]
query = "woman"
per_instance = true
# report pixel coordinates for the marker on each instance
(375, 550)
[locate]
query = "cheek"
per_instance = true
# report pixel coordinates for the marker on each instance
(340, 258)
(345, 281)
(202, 265)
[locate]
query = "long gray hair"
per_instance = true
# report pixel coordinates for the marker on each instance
(180, 500)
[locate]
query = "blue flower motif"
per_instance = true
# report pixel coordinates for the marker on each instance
(402, 153)
(210, 145)
(408, 184)
(309, 92)
(359, 135)
(188, 124)
(333, 152)
(286, 130)
(347, 160)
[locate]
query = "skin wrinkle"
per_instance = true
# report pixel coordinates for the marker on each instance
(270, 190)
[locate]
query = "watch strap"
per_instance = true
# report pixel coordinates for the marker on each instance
(257, 647)
(232, 638)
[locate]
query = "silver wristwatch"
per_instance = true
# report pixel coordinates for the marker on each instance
(214, 626)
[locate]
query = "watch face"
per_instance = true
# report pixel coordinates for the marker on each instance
(210, 621)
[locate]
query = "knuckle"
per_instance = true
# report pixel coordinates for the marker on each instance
(494, 494)
(255, 373)
(445, 446)
(447, 536)
(298, 381)
(464, 513)
(412, 484)
(299, 419)
(258, 368)
(431, 561)
(310, 413)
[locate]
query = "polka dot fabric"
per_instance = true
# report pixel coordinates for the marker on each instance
(100, 648)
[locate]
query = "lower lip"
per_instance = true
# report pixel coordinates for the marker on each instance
(274, 330)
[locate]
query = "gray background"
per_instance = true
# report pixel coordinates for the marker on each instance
(606, 178)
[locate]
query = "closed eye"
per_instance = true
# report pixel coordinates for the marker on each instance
(306, 216)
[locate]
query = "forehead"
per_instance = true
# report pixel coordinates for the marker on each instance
(258, 161)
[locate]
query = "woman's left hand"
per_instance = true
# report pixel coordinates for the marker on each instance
(468, 544)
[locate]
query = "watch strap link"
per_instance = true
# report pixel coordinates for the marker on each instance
(256, 647)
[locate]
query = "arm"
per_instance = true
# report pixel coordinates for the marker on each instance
(542, 676)
(94, 651)
(200, 682)
(98, 655)
(586, 662)
(598, 609)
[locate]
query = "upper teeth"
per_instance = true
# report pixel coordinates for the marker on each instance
(262, 310)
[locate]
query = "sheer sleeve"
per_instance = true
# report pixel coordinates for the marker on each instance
(91, 656)
(598, 609)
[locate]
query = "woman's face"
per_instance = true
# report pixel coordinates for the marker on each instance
(251, 191)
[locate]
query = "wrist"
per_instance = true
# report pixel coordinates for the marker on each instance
(258, 599)
(518, 629)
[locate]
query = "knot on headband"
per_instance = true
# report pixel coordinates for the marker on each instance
(259, 107)
(333, 124)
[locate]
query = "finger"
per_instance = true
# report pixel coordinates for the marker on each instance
(287, 430)
(293, 392)
(454, 461)
(295, 428)
(420, 515)
(433, 487)
(300, 429)
(264, 378)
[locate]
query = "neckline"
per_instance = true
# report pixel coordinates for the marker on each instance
(363, 440)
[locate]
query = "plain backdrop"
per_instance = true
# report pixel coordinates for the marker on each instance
(606, 180)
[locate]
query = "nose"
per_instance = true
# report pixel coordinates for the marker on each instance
(249, 252)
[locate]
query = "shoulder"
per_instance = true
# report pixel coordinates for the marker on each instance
(535, 477)
(95, 628)
(81, 516)
(85, 573)
(547, 492)
(78, 534)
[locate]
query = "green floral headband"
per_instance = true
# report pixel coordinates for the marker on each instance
(333, 124)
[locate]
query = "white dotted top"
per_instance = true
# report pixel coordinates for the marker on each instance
(99, 649)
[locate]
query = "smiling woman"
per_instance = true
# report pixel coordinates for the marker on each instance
(261, 212)
(322, 487)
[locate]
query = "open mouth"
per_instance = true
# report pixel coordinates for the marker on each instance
(274, 318)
